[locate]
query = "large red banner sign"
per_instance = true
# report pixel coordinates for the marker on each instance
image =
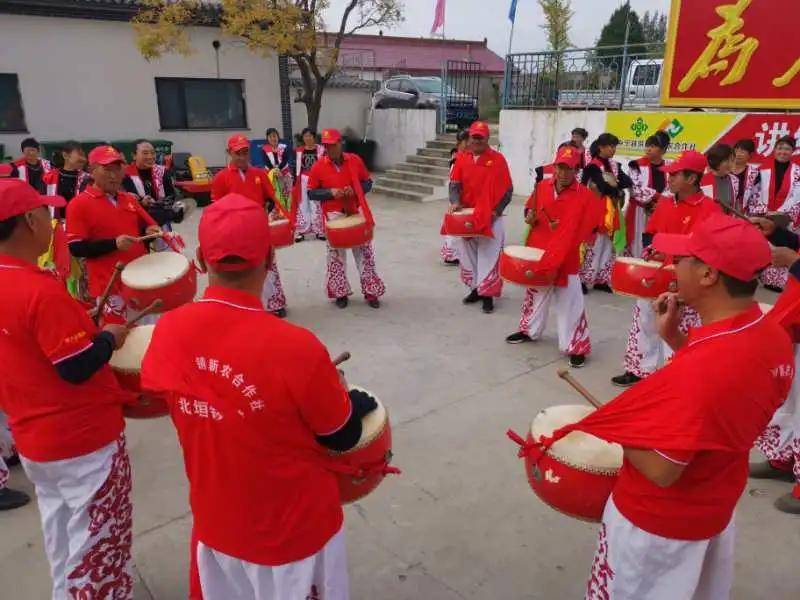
(765, 129)
(733, 53)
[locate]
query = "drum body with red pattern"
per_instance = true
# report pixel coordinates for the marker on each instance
(461, 223)
(519, 264)
(348, 232)
(168, 276)
(126, 363)
(368, 458)
(577, 474)
(641, 278)
(281, 233)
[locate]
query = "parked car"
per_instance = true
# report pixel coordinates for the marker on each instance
(405, 91)
(642, 89)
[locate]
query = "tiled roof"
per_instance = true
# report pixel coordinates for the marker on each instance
(107, 10)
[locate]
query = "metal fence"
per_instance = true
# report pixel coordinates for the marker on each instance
(608, 77)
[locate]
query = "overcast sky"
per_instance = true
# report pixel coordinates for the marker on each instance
(476, 19)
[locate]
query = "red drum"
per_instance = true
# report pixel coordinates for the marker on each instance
(127, 366)
(577, 473)
(348, 232)
(641, 278)
(281, 233)
(461, 223)
(165, 275)
(362, 468)
(518, 265)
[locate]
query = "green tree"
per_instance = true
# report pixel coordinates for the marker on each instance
(294, 28)
(613, 34)
(654, 29)
(557, 16)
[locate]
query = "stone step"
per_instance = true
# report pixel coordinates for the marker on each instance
(401, 185)
(442, 163)
(399, 195)
(434, 153)
(426, 168)
(441, 144)
(416, 176)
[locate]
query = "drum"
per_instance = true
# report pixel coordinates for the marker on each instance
(641, 278)
(165, 275)
(577, 473)
(348, 232)
(280, 232)
(363, 467)
(518, 265)
(127, 366)
(461, 223)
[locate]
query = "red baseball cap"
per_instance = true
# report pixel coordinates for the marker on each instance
(232, 226)
(479, 129)
(238, 142)
(17, 198)
(331, 136)
(734, 246)
(691, 160)
(569, 156)
(105, 155)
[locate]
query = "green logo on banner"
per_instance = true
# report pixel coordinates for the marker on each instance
(639, 127)
(675, 128)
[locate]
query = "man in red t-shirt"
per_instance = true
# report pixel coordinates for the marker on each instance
(680, 213)
(480, 179)
(557, 207)
(686, 431)
(65, 408)
(103, 226)
(257, 407)
(340, 181)
(239, 177)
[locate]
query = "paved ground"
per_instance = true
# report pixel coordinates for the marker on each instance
(461, 522)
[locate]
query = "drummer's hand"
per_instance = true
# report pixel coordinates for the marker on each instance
(669, 313)
(767, 226)
(120, 332)
(657, 256)
(124, 242)
(784, 257)
(337, 192)
(348, 191)
(530, 217)
(454, 208)
(147, 201)
(363, 403)
(151, 229)
(343, 379)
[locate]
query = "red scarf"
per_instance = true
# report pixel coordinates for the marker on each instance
(778, 197)
(157, 173)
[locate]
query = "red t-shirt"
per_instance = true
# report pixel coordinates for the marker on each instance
(739, 393)
(325, 174)
(673, 216)
(92, 215)
(486, 175)
(252, 183)
(248, 393)
(41, 325)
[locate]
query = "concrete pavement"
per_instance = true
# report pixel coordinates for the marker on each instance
(461, 522)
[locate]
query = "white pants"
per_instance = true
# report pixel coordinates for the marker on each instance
(86, 515)
(646, 351)
(7, 449)
(449, 249)
(272, 294)
(632, 564)
(480, 261)
(322, 576)
(309, 214)
(598, 261)
(336, 282)
(639, 223)
(573, 328)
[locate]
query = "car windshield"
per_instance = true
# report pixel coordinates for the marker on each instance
(429, 86)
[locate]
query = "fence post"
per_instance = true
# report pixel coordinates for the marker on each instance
(506, 82)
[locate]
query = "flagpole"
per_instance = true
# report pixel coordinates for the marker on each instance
(511, 37)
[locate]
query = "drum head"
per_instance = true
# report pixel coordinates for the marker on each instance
(348, 221)
(765, 308)
(465, 211)
(578, 449)
(373, 424)
(155, 270)
(640, 262)
(278, 222)
(524, 252)
(129, 357)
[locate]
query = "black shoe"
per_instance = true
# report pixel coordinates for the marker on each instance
(764, 470)
(518, 338)
(374, 302)
(452, 263)
(626, 380)
(10, 499)
(321, 237)
(299, 238)
(603, 287)
(788, 504)
(280, 313)
(773, 288)
(584, 289)
(576, 361)
(472, 298)
(13, 460)
(488, 305)
(341, 302)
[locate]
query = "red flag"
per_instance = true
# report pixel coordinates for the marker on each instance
(438, 17)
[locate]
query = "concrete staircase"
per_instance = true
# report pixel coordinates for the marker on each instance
(424, 176)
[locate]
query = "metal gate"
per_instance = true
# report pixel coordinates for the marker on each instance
(461, 81)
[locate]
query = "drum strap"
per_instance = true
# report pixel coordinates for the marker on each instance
(529, 448)
(362, 470)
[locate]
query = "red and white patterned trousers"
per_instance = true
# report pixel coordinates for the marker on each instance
(86, 514)
(597, 262)
(336, 282)
(449, 251)
(309, 213)
(272, 294)
(7, 449)
(573, 328)
(480, 261)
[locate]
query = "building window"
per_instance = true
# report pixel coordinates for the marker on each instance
(12, 117)
(201, 103)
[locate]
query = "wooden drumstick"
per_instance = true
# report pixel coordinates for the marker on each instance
(107, 292)
(734, 211)
(150, 236)
(565, 375)
(344, 356)
(154, 306)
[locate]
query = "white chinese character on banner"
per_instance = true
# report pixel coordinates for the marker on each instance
(226, 371)
(215, 414)
(185, 407)
(250, 391)
(256, 405)
(238, 380)
(200, 362)
(768, 137)
(201, 408)
(213, 365)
